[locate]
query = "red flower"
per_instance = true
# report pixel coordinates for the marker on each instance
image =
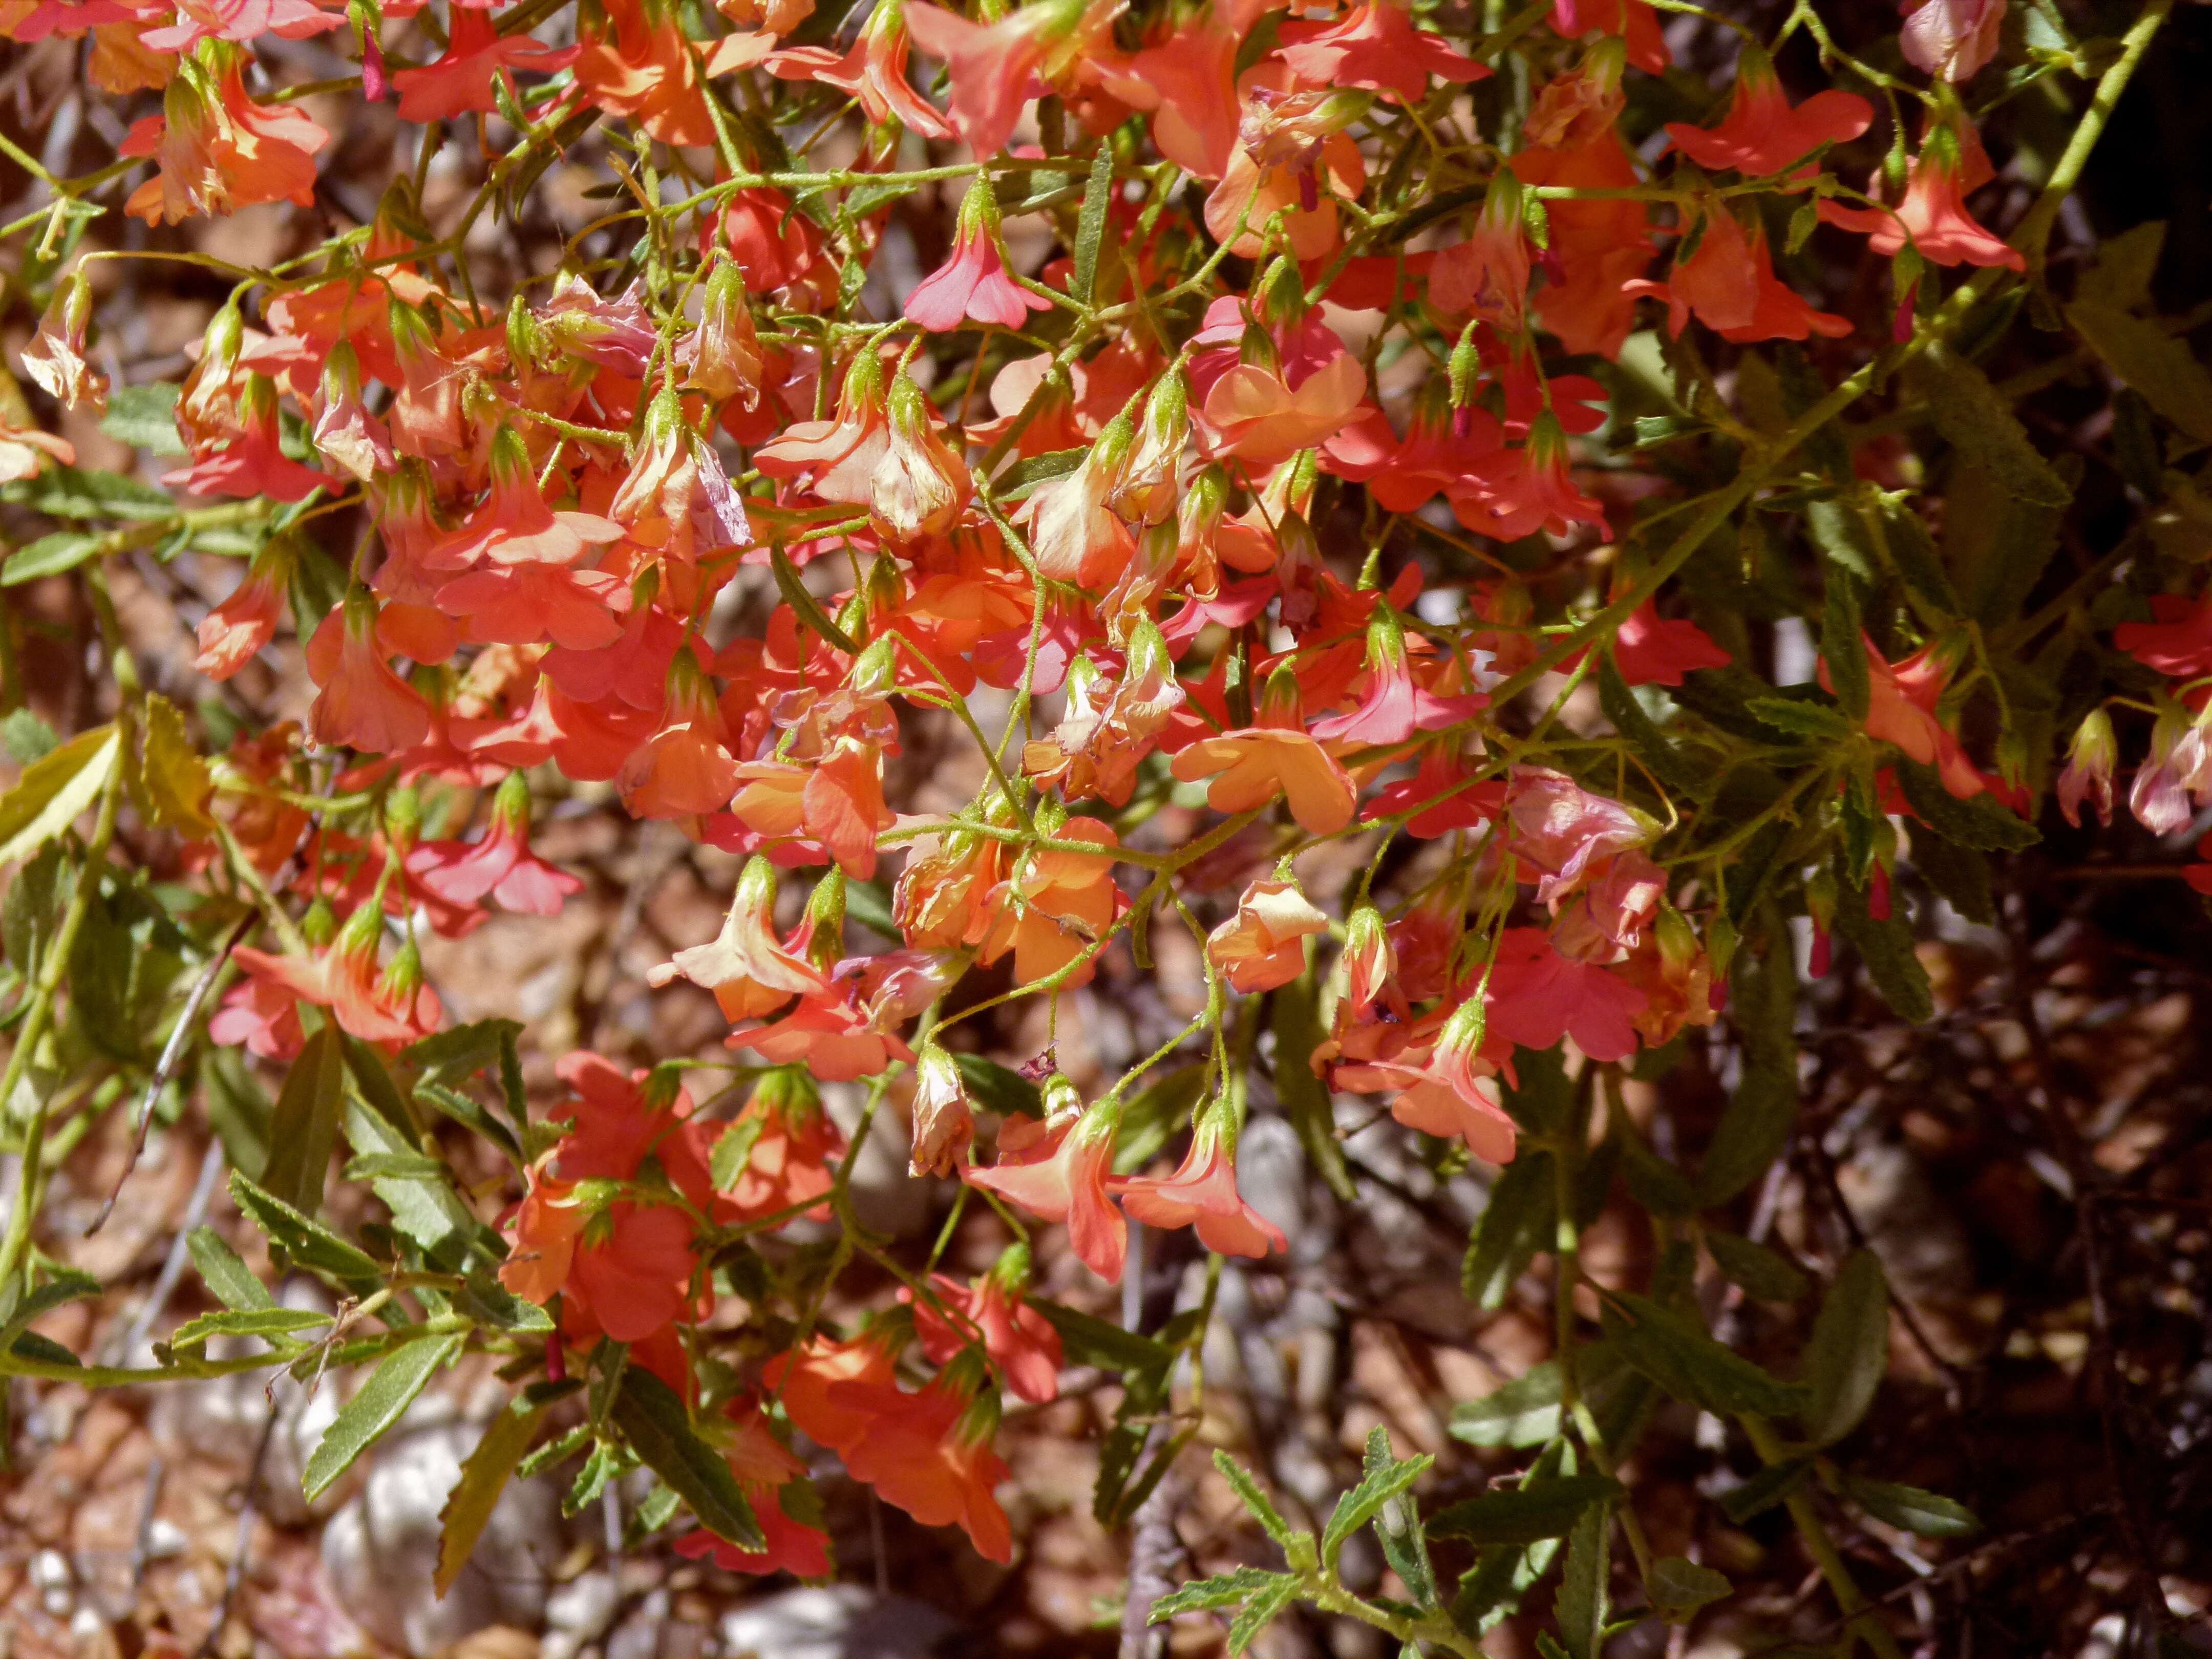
(1901, 709)
(1762, 133)
(500, 867)
(234, 631)
(874, 72)
(251, 463)
(1933, 216)
(972, 284)
(750, 972)
(460, 80)
(993, 66)
(810, 1382)
(1650, 650)
(1729, 281)
(1537, 996)
(632, 1269)
(1375, 46)
(1263, 944)
(1058, 1169)
(1020, 1341)
(770, 1476)
(363, 704)
(930, 1453)
(1203, 1193)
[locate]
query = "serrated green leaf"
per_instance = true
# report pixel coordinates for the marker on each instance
(1655, 1184)
(1248, 1490)
(1849, 1355)
(2157, 364)
(69, 492)
(1091, 225)
(1524, 1514)
(1691, 1366)
(1801, 719)
(1294, 1014)
(483, 1477)
(1258, 1612)
(1760, 1271)
(52, 555)
(803, 603)
(1765, 1490)
(999, 1088)
(224, 1273)
(66, 1286)
(1762, 1113)
(1582, 1605)
(1981, 823)
(375, 1407)
(1678, 1587)
(1355, 1509)
(1225, 1589)
(175, 783)
(1087, 1339)
(1397, 1527)
(309, 1244)
(1025, 474)
(1668, 763)
(652, 1418)
(305, 1128)
(246, 1322)
(1886, 948)
(52, 793)
(145, 418)
(1843, 648)
(1518, 1221)
(1524, 1412)
(1929, 1514)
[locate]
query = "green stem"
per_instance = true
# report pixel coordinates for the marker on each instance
(1858, 1612)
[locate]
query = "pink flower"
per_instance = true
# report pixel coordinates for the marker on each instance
(1952, 39)
(1203, 1193)
(973, 284)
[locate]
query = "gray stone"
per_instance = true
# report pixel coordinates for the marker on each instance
(836, 1621)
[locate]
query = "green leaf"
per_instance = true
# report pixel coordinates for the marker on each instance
(1383, 1481)
(246, 1322)
(1668, 763)
(869, 903)
(1960, 875)
(1024, 476)
(145, 418)
(1849, 1355)
(2157, 364)
(999, 1088)
(66, 1286)
(1091, 225)
(1260, 1612)
(1518, 1221)
(1692, 1367)
(1886, 948)
(306, 1125)
(483, 1477)
(27, 737)
(1523, 1413)
(1760, 1271)
(1247, 1489)
(1762, 1114)
(453, 1056)
(1929, 1514)
(1678, 1587)
(1581, 1604)
(69, 492)
(1765, 1490)
(175, 783)
(652, 1418)
(734, 1149)
(1980, 822)
(471, 1114)
(1226, 1589)
(1842, 647)
(1655, 1184)
(805, 606)
(2120, 277)
(224, 1273)
(1295, 1016)
(49, 556)
(308, 1243)
(1816, 720)
(54, 791)
(1524, 1514)
(1398, 1526)
(378, 1404)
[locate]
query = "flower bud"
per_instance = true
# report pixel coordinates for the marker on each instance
(1144, 491)
(725, 353)
(2090, 759)
(1370, 963)
(943, 1121)
(55, 359)
(921, 484)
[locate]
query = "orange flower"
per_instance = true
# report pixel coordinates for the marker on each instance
(1263, 944)
(1254, 766)
(682, 770)
(992, 66)
(1020, 1341)
(874, 72)
(837, 801)
(1901, 709)
(646, 73)
(1058, 1169)
(218, 149)
(1074, 532)
(235, 630)
(363, 704)
(930, 1453)
(923, 483)
(374, 1007)
(749, 971)
(788, 1164)
(1056, 905)
(839, 458)
(1203, 1193)
(809, 1380)
(1257, 414)
(542, 1236)
(1251, 193)
(1487, 275)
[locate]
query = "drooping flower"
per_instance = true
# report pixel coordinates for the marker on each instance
(1762, 133)
(1453, 1092)
(683, 769)
(1487, 276)
(254, 462)
(231, 633)
(874, 72)
(55, 359)
(930, 1453)
(972, 284)
(1263, 944)
(1933, 216)
(477, 54)
(923, 483)
(2090, 758)
(500, 867)
(1376, 45)
(1729, 281)
(1202, 1194)
(750, 972)
(363, 704)
(1951, 39)
(1901, 709)
(219, 150)
(1058, 1169)
(994, 66)
(944, 1121)
(1274, 757)
(1021, 1342)
(1263, 416)
(1652, 650)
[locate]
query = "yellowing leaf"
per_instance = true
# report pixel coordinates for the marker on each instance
(176, 784)
(484, 1477)
(47, 799)
(2154, 363)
